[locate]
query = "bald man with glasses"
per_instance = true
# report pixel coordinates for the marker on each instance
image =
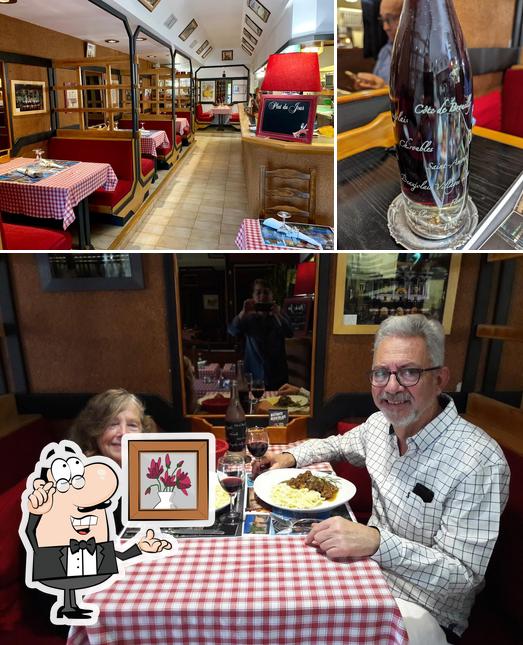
(439, 484)
(390, 12)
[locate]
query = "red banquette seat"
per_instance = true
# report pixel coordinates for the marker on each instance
(119, 154)
(203, 117)
(17, 237)
(166, 125)
(501, 109)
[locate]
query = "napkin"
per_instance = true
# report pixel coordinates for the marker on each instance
(275, 224)
(48, 163)
(30, 172)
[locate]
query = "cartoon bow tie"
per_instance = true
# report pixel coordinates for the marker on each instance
(76, 545)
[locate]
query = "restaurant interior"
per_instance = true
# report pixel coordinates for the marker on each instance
(367, 168)
(74, 325)
(163, 95)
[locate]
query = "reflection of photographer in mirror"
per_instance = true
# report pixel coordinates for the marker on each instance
(264, 329)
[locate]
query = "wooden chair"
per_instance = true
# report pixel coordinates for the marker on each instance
(376, 134)
(288, 190)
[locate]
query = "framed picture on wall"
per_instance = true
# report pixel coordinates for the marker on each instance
(207, 91)
(252, 25)
(150, 4)
(28, 97)
(168, 479)
(207, 52)
(90, 50)
(188, 30)
(248, 36)
(373, 286)
(90, 271)
(262, 12)
(202, 47)
(245, 49)
(71, 99)
(227, 54)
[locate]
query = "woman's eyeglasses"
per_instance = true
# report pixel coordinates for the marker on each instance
(406, 376)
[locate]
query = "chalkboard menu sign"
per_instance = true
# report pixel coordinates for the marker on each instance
(298, 312)
(287, 116)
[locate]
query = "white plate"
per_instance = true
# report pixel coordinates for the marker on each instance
(264, 483)
(219, 505)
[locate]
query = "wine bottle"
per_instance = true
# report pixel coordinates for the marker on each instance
(235, 425)
(431, 101)
(243, 387)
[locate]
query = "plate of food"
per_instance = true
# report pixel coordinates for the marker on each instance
(294, 402)
(298, 489)
(216, 404)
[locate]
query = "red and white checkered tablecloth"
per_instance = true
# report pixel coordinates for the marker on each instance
(229, 370)
(152, 139)
(54, 196)
(249, 238)
(242, 591)
(209, 371)
(181, 124)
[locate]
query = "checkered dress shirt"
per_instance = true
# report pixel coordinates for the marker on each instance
(433, 553)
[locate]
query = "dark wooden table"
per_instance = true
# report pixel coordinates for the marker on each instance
(369, 181)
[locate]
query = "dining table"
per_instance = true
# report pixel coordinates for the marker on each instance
(152, 139)
(221, 111)
(181, 124)
(62, 195)
(250, 238)
(243, 590)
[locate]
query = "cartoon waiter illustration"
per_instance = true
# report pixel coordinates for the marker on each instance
(68, 529)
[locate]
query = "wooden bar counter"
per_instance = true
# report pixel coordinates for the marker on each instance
(275, 154)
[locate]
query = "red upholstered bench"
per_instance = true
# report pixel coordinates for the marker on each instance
(487, 110)
(203, 117)
(235, 117)
(119, 154)
(166, 125)
(512, 100)
(16, 237)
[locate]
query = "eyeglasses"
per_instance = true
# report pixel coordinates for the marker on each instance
(388, 20)
(406, 376)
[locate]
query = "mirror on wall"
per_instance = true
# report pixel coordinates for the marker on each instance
(256, 309)
(5, 133)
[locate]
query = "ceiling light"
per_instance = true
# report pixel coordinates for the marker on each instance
(111, 40)
(141, 38)
(8, 1)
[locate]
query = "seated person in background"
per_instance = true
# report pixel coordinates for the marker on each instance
(264, 328)
(287, 389)
(100, 426)
(390, 11)
(439, 484)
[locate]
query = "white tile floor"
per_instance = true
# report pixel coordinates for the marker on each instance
(202, 205)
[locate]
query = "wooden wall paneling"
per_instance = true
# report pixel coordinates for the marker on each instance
(510, 376)
(82, 342)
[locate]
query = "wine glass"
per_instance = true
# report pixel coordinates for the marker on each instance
(257, 390)
(284, 216)
(142, 126)
(257, 444)
(39, 152)
(248, 378)
(231, 474)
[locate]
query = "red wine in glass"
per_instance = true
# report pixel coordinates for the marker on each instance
(231, 484)
(431, 101)
(257, 448)
(257, 392)
(231, 472)
(257, 445)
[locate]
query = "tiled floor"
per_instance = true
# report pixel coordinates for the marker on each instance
(204, 202)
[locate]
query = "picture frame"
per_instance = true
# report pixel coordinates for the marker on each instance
(247, 45)
(90, 50)
(202, 47)
(150, 4)
(90, 271)
(289, 117)
(252, 25)
(207, 91)
(188, 30)
(262, 12)
(28, 97)
(249, 37)
(206, 53)
(71, 101)
(246, 50)
(370, 287)
(227, 54)
(169, 479)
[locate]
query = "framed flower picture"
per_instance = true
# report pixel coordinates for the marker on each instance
(167, 479)
(227, 54)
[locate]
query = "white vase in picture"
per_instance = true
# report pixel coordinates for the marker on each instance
(165, 501)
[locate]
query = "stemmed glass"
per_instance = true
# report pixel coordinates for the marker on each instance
(257, 390)
(284, 216)
(38, 154)
(231, 475)
(142, 126)
(257, 445)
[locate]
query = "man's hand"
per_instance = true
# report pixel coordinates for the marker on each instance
(41, 499)
(271, 462)
(366, 81)
(248, 307)
(341, 538)
(150, 544)
(288, 389)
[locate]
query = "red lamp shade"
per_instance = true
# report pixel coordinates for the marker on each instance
(292, 73)
(305, 278)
